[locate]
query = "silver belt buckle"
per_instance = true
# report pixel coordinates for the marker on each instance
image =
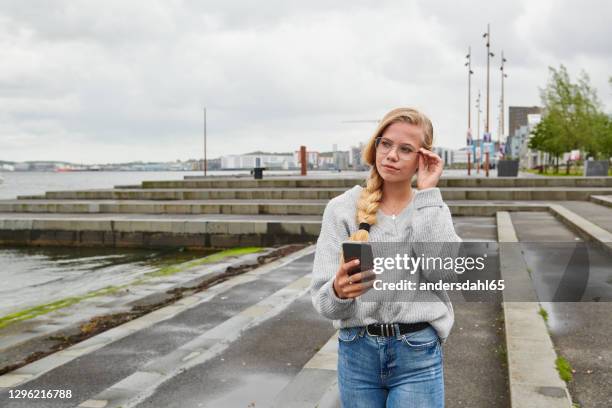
(387, 329)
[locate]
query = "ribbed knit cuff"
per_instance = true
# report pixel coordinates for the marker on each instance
(428, 197)
(332, 294)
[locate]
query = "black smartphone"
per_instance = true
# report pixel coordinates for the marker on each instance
(358, 250)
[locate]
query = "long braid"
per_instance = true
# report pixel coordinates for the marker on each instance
(368, 204)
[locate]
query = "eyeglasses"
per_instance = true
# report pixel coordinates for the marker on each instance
(384, 146)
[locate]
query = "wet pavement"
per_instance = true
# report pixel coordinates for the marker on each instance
(92, 373)
(580, 330)
(252, 370)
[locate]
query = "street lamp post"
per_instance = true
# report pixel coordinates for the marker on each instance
(503, 75)
(479, 142)
(205, 164)
(469, 129)
(487, 35)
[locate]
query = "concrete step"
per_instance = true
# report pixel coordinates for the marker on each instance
(156, 230)
(195, 194)
(280, 207)
(578, 219)
(186, 230)
(252, 183)
(299, 182)
(602, 199)
(598, 214)
(225, 230)
(262, 207)
(448, 193)
(531, 356)
(228, 230)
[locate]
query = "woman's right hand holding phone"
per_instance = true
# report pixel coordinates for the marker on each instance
(348, 284)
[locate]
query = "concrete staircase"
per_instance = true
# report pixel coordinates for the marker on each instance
(227, 212)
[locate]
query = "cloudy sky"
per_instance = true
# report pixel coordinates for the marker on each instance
(113, 81)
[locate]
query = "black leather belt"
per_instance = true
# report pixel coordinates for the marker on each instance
(388, 329)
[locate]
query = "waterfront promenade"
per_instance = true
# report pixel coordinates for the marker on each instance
(250, 336)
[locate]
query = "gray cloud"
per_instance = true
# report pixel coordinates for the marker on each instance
(116, 80)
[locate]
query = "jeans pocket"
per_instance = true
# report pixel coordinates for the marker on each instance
(422, 339)
(348, 334)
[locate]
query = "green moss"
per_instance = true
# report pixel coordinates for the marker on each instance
(50, 307)
(166, 271)
(564, 368)
(543, 313)
(502, 353)
(216, 257)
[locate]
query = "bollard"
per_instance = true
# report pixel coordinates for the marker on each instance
(258, 170)
(303, 160)
(469, 163)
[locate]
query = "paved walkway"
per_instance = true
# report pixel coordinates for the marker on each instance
(194, 359)
(580, 331)
(598, 214)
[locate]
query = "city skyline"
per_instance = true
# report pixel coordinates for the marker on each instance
(128, 82)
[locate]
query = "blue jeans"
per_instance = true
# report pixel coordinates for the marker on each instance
(401, 371)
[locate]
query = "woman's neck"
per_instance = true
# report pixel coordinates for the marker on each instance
(397, 193)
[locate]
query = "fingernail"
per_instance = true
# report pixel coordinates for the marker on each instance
(356, 261)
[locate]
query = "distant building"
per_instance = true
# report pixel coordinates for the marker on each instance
(341, 159)
(281, 161)
(460, 155)
(529, 158)
(211, 164)
(518, 116)
(356, 157)
(312, 158)
(445, 154)
(326, 160)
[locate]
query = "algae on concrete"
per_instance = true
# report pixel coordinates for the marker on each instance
(165, 271)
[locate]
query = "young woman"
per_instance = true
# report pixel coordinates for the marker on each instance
(388, 355)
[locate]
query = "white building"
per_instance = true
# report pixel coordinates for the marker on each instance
(530, 158)
(312, 158)
(282, 161)
(459, 155)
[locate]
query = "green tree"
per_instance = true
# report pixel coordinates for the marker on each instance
(547, 137)
(573, 116)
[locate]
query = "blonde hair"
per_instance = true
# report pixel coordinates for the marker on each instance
(371, 195)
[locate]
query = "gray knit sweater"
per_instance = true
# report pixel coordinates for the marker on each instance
(426, 219)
